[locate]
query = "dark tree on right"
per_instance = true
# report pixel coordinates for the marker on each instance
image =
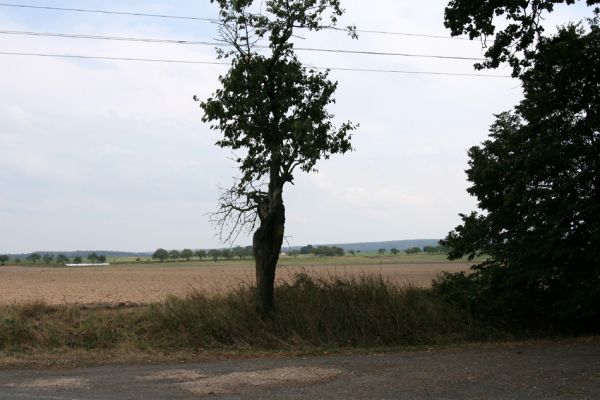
(537, 181)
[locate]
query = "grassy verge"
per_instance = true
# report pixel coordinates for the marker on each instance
(361, 312)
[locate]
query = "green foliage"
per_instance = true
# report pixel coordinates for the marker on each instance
(214, 254)
(413, 250)
(34, 257)
(4, 259)
(187, 254)
(61, 259)
(93, 257)
(515, 43)
(200, 254)
(394, 251)
(174, 255)
(160, 254)
(538, 180)
(77, 260)
(381, 251)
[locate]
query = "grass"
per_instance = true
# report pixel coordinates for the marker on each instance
(325, 313)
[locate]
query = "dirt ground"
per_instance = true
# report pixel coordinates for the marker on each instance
(145, 284)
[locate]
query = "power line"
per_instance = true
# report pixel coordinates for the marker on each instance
(204, 43)
(182, 17)
(84, 10)
(160, 60)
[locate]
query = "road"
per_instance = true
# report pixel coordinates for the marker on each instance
(546, 370)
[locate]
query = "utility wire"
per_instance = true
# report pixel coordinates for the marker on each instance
(84, 10)
(109, 12)
(203, 43)
(77, 56)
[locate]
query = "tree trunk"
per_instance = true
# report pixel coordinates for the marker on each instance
(267, 247)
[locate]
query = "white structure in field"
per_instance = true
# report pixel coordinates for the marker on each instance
(88, 265)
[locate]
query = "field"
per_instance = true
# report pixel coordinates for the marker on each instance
(140, 283)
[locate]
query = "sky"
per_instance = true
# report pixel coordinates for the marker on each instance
(108, 155)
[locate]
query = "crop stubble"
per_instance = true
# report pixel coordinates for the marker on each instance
(149, 283)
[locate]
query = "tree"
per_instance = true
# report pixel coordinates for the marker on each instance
(77, 260)
(4, 259)
(238, 251)
(34, 257)
(430, 249)
(352, 252)
(93, 257)
(101, 258)
(200, 254)
(515, 43)
(394, 251)
(307, 249)
(274, 109)
(174, 255)
(48, 258)
(413, 250)
(187, 254)
(160, 254)
(214, 254)
(381, 251)
(61, 259)
(537, 179)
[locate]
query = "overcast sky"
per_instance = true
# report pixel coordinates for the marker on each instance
(114, 156)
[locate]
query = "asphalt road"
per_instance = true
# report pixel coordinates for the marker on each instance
(547, 370)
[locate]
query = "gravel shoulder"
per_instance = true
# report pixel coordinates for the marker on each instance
(565, 369)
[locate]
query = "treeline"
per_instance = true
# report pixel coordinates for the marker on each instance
(321, 251)
(238, 252)
(35, 258)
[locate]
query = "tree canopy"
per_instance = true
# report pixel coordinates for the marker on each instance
(515, 43)
(537, 180)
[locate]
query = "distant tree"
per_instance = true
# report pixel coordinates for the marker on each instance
(238, 251)
(248, 251)
(93, 257)
(201, 254)
(77, 260)
(413, 250)
(61, 259)
(174, 255)
(101, 258)
(430, 249)
(138, 259)
(214, 254)
(48, 258)
(294, 253)
(352, 252)
(34, 257)
(381, 251)
(4, 259)
(227, 254)
(394, 251)
(160, 254)
(307, 249)
(17, 261)
(187, 254)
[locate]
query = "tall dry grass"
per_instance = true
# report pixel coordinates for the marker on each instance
(311, 312)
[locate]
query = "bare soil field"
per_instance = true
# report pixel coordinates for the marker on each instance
(140, 284)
